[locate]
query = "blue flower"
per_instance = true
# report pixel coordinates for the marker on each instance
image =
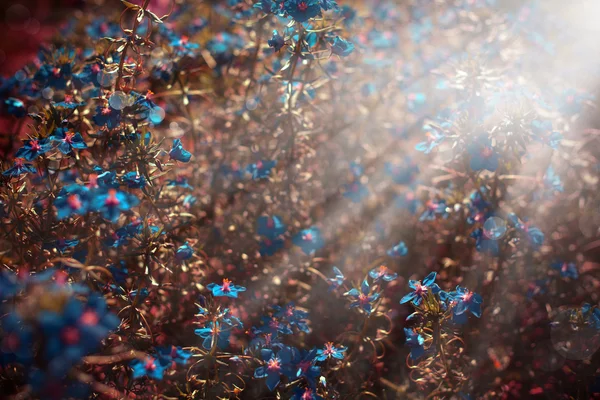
(303, 365)
(72, 199)
(485, 244)
(341, 47)
(302, 10)
(19, 168)
(567, 270)
(415, 342)
(483, 155)
(464, 300)
(107, 116)
(17, 341)
(184, 252)
(174, 354)
(293, 316)
(275, 365)
(382, 272)
(534, 234)
(33, 148)
(67, 140)
(331, 351)
(277, 41)
(433, 209)
(404, 173)
(420, 290)
(398, 250)
(133, 180)
(179, 153)
(552, 180)
(180, 181)
(363, 297)
(409, 201)
(355, 191)
(337, 280)
(270, 227)
(214, 334)
(150, 367)
(112, 202)
(309, 240)
(261, 169)
(15, 107)
(434, 139)
(226, 289)
(269, 247)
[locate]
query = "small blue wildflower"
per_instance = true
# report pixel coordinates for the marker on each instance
(214, 334)
(270, 227)
(415, 342)
(483, 155)
(67, 140)
(184, 252)
(398, 250)
(420, 290)
(151, 367)
(341, 47)
(567, 270)
(355, 191)
(363, 297)
(434, 139)
(275, 365)
(309, 240)
(33, 148)
(552, 180)
(133, 180)
(331, 351)
(179, 153)
(226, 289)
(261, 169)
(15, 107)
(337, 280)
(302, 10)
(174, 354)
(111, 203)
(277, 41)
(107, 116)
(269, 247)
(464, 300)
(19, 168)
(382, 272)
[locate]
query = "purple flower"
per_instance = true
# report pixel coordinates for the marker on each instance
(420, 290)
(226, 289)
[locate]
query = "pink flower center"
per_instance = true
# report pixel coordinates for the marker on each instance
(363, 299)
(111, 199)
(226, 285)
(486, 152)
(18, 162)
(106, 110)
(274, 364)
(259, 164)
(35, 145)
(307, 236)
(149, 365)
(270, 223)
(302, 6)
(69, 137)
(420, 289)
(74, 202)
(467, 296)
(90, 318)
(11, 342)
(328, 349)
(304, 365)
(70, 335)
